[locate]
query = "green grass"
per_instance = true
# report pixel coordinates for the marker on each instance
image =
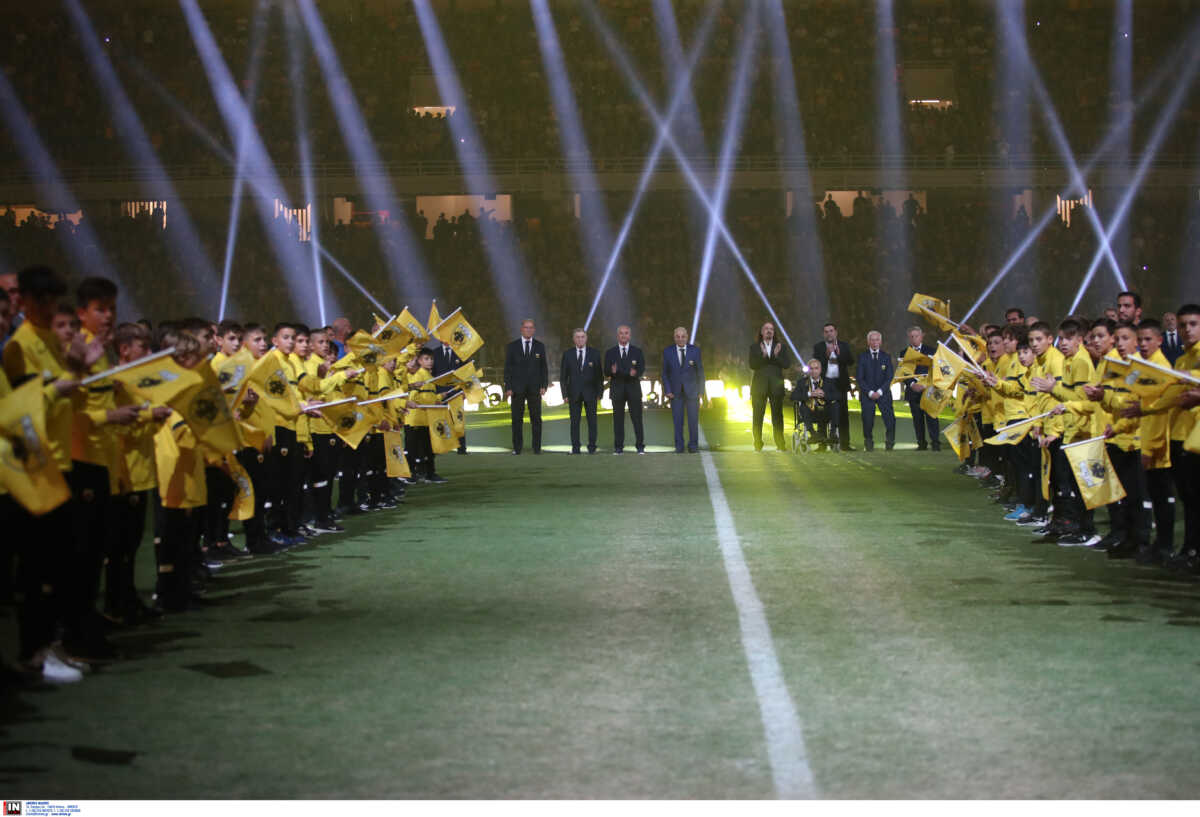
(562, 627)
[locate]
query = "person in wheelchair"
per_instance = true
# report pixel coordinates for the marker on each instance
(816, 401)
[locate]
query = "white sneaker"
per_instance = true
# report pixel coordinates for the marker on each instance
(55, 671)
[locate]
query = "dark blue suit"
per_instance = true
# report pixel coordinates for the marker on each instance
(1172, 348)
(686, 382)
(923, 425)
(875, 374)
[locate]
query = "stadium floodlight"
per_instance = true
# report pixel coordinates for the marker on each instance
(512, 281)
(631, 78)
(239, 123)
(84, 249)
(296, 74)
(185, 242)
(1014, 30)
(1166, 70)
(678, 95)
(810, 264)
(735, 113)
(593, 222)
(406, 262)
(1149, 150)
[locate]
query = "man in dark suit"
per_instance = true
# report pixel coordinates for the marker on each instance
(444, 360)
(582, 380)
(875, 372)
(683, 381)
(836, 360)
(926, 427)
(623, 365)
(1172, 347)
(817, 398)
(769, 360)
(526, 378)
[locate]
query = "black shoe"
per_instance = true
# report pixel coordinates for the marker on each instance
(516, 452)
(1107, 542)
(922, 446)
(1124, 550)
(1148, 556)
(437, 479)
(462, 451)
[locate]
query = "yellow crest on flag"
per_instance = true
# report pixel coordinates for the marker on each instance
(159, 380)
(393, 446)
(1094, 473)
(269, 376)
(205, 409)
(457, 333)
(233, 370)
(441, 430)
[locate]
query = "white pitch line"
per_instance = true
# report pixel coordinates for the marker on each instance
(785, 737)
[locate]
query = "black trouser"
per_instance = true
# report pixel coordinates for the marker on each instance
(576, 406)
(759, 408)
(868, 420)
(923, 423)
(221, 492)
(1069, 509)
(285, 474)
(517, 403)
(44, 546)
(126, 529)
(1185, 471)
(181, 536)
(323, 467)
(1027, 463)
(990, 456)
(843, 414)
(419, 450)
(256, 526)
(1161, 490)
(89, 517)
(622, 395)
(348, 459)
(1130, 522)
(375, 467)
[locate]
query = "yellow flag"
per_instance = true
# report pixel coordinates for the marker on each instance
(909, 363)
(269, 377)
(956, 435)
(233, 370)
(397, 463)
(27, 469)
(1046, 473)
(974, 434)
(934, 400)
(243, 495)
(1192, 443)
(366, 349)
(458, 334)
(348, 421)
(393, 337)
(159, 379)
(414, 327)
(920, 303)
(458, 419)
(204, 408)
(435, 317)
(1147, 382)
(974, 345)
(1010, 434)
(468, 378)
(946, 368)
(441, 430)
(1094, 473)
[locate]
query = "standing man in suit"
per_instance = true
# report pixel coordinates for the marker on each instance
(526, 378)
(582, 380)
(836, 360)
(623, 365)
(683, 380)
(875, 372)
(1172, 348)
(925, 427)
(444, 360)
(768, 360)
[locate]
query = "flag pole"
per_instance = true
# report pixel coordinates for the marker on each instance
(87, 381)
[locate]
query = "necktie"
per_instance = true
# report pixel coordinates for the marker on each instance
(1171, 339)
(526, 348)
(581, 360)
(874, 357)
(681, 357)
(622, 353)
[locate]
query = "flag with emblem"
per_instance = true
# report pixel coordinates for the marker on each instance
(409, 321)
(270, 378)
(1014, 432)
(973, 345)
(909, 363)
(347, 420)
(367, 350)
(392, 336)
(393, 446)
(1045, 473)
(934, 400)
(27, 469)
(947, 367)
(233, 369)
(956, 434)
(468, 377)
(205, 409)
(458, 417)
(157, 378)
(936, 310)
(242, 507)
(457, 333)
(1147, 379)
(1094, 473)
(441, 430)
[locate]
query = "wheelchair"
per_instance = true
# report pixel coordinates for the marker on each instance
(803, 440)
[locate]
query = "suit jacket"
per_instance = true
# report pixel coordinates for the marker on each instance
(768, 371)
(586, 383)
(926, 349)
(623, 380)
(441, 365)
(521, 373)
(687, 381)
(876, 376)
(844, 357)
(805, 384)
(1173, 350)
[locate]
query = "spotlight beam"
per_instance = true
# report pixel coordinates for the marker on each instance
(596, 230)
(406, 263)
(671, 45)
(1149, 151)
(1017, 38)
(1115, 132)
(734, 119)
(623, 62)
(678, 96)
(509, 272)
(186, 243)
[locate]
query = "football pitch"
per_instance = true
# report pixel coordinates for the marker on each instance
(725, 625)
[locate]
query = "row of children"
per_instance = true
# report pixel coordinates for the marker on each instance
(105, 424)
